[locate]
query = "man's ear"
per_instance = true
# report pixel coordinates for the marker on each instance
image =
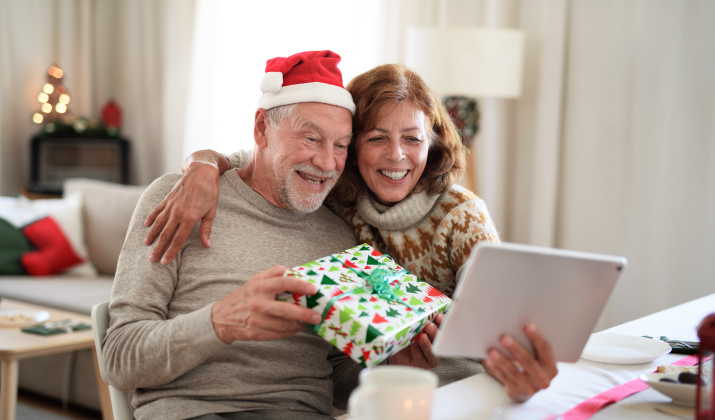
(259, 128)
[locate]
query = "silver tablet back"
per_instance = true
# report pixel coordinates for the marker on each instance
(508, 285)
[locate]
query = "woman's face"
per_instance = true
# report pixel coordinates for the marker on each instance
(392, 156)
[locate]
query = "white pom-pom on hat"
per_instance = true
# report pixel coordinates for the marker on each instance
(272, 82)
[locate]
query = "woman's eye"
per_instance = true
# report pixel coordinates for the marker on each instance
(415, 139)
(373, 139)
(312, 139)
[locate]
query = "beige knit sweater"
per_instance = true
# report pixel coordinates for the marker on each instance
(161, 340)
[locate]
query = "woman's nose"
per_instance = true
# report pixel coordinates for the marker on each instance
(394, 153)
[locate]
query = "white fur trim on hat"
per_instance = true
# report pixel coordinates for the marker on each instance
(271, 82)
(308, 92)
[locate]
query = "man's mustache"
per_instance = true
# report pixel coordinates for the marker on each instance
(313, 171)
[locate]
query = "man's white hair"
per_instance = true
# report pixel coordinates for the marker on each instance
(278, 114)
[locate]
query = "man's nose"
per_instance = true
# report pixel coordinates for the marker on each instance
(324, 159)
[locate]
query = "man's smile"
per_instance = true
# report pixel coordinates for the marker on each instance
(311, 178)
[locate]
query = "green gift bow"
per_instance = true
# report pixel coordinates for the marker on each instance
(379, 280)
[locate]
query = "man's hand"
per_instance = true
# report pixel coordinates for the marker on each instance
(526, 374)
(194, 197)
(252, 312)
(419, 353)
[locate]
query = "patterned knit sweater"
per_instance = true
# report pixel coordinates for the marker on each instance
(431, 236)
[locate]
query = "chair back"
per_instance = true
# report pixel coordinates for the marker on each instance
(121, 407)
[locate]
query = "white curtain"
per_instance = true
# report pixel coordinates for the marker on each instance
(611, 147)
(232, 42)
(618, 155)
(638, 157)
(134, 51)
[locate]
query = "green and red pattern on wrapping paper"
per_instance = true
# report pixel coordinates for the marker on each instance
(364, 325)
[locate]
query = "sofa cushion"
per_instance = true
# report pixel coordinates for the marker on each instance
(67, 213)
(12, 245)
(60, 292)
(54, 252)
(108, 209)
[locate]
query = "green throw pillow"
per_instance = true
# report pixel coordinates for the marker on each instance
(12, 245)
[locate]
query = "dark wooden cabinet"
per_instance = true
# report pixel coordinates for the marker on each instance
(55, 159)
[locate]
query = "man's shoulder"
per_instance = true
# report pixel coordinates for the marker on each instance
(157, 190)
(163, 182)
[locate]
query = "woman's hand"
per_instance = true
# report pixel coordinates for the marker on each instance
(419, 353)
(525, 375)
(193, 198)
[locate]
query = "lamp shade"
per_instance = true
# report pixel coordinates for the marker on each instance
(474, 62)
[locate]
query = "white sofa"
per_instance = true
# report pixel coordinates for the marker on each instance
(106, 212)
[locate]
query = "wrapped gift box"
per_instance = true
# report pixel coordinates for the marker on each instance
(372, 308)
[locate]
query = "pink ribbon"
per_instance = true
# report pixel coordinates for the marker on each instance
(592, 405)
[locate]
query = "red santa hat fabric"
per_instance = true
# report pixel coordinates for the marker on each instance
(310, 76)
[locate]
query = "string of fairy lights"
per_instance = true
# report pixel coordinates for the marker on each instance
(54, 98)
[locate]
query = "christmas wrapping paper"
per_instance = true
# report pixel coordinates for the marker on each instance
(371, 307)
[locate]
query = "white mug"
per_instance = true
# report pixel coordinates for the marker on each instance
(393, 393)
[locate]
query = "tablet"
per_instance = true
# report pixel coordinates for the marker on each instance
(504, 286)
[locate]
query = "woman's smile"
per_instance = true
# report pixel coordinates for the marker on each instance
(394, 175)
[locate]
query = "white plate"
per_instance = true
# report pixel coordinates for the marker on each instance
(682, 394)
(22, 318)
(623, 349)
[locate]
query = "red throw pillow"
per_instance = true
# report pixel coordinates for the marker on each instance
(54, 252)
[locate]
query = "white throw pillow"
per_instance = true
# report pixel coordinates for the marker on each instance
(66, 211)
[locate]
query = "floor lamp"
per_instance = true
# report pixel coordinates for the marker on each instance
(462, 64)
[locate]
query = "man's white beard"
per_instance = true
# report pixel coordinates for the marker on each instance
(295, 198)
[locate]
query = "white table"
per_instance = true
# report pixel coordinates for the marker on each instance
(476, 397)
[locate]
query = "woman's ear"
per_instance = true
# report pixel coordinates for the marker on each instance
(260, 127)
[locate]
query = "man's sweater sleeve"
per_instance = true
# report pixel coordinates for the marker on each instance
(142, 347)
(239, 159)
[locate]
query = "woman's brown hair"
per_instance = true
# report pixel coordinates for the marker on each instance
(391, 84)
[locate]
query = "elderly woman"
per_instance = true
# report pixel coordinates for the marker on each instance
(398, 193)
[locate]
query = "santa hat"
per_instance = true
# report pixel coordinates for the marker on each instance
(311, 76)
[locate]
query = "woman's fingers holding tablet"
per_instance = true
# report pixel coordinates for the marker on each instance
(542, 348)
(508, 373)
(534, 370)
(526, 374)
